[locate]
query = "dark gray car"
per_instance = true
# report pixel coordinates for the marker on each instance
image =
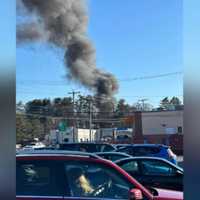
(154, 172)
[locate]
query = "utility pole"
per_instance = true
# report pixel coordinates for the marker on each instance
(73, 93)
(143, 100)
(89, 99)
(90, 120)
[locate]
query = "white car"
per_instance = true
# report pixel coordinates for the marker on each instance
(34, 146)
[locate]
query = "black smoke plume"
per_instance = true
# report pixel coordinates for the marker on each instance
(63, 23)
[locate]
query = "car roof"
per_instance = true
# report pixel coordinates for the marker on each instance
(146, 145)
(54, 153)
(143, 157)
(89, 143)
(113, 153)
(148, 158)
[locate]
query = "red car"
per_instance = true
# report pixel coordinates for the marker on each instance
(79, 176)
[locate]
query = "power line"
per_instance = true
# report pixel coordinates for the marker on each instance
(56, 83)
(152, 76)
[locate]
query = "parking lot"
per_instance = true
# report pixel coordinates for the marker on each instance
(88, 172)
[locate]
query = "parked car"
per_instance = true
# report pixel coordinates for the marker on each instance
(156, 172)
(113, 156)
(87, 147)
(45, 148)
(34, 145)
(79, 176)
(150, 150)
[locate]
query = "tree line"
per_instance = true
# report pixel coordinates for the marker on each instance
(35, 118)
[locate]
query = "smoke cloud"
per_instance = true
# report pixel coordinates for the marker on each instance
(64, 24)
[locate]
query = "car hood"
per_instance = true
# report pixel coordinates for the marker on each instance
(168, 195)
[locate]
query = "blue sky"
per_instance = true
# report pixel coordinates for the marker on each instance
(133, 39)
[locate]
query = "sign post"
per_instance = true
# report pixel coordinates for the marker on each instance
(62, 128)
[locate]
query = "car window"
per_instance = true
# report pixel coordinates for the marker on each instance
(116, 157)
(127, 150)
(95, 180)
(140, 151)
(106, 148)
(69, 147)
(156, 167)
(89, 148)
(112, 157)
(37, 179)
(153, 150)
(130, 167)
(143, 151)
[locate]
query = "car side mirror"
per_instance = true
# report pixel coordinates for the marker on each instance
(179, 173)
(135, 194)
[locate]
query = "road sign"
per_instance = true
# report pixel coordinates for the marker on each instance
(62, 126)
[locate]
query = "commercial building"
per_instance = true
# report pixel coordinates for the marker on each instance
(164, 127)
